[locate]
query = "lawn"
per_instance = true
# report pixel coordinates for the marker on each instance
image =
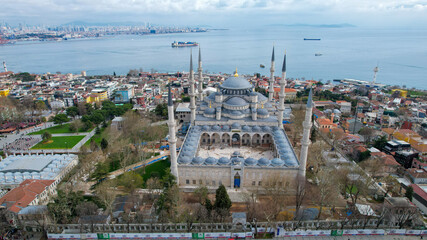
(97, 138)
(64, 128)
(67, 142)
(157, 169)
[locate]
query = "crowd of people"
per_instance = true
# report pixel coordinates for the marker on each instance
(22, 143)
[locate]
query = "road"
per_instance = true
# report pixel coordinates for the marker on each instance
(140, 164)
(385, 237)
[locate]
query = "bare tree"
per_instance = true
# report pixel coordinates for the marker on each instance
(328, 189)
(299, 196)
(107, 194)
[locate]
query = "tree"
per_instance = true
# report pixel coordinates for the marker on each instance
(130, 181)
(76, 125)
(328, 190)
(46, 136)
(107, 193)
(364, 155)
(222, 201)
(299, 196)
(86, 208)
(97, 130)
(391, 185)
(409, 193)
(104, 144)
(72, 111)
(201, 193)
(161, 110)
(380, 143)
(60, 118)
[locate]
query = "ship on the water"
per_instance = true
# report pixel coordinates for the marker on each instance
(184, 44)
(311, 39)
(4, 41)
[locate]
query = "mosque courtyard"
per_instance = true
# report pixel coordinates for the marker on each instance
(245, 151)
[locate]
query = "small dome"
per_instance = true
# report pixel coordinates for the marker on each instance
(236, 160)
(205, 128)
(236, 101)
(197, 160)
(256, 129)
(266, 129)
(246, 128)
(196, 128)
(210, 111)
(263, 161)
(184, 160)
(290, 163)
(236, 83)
(275, 128)
(253, 94)
(216, 128)
(236, 153)
(226, 128)
(277, 162)
(224, 161)
(210, 161)
(262, 111)
(235, 126)
(250, 162)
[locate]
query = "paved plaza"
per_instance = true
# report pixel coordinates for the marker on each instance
(245, 152)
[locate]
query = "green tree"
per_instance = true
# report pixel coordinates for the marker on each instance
(46, 136)
(409, 193)
(97, 117)
(161, 110)
(75, 126)
(364, 155)
(60, 118)
(87, 125)
(186, 99)
(72, 111)
(97, 130)
(130, 180)
(380, 143)
(222, 200)
(104, 144)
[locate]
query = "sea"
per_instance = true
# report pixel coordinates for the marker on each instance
(346, 52)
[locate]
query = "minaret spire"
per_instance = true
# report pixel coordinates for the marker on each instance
(271, 87)
(4, 66)
(192, 93)
(200, 70)
(282, 95)
(172, 137)
(306, 135)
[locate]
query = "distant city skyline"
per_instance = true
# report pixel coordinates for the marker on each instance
(218, 13)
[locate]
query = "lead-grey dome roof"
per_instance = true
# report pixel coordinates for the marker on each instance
(236, 83)
(209, 110)
(236, 101)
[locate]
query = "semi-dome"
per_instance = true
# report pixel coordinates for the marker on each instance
(277, 162)
(250, 161)
(184, 160)
(197, 160)
(263, 161)
(236, 83)
(235, 125)
(236, 101)
(262, 111)
(210, 161)
(210, 111)
(223, 161)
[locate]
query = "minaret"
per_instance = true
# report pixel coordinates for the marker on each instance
(192, 94)
(172, 137)
(281, 107)
(200, 70)
(271, 88)
(306, 135)
(4, 66)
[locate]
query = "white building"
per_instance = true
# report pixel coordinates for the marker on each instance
(57, 104)
(15, 169)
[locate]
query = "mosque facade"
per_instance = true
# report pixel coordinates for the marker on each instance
(236, 137)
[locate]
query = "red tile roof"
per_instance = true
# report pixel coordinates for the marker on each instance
(20, 197)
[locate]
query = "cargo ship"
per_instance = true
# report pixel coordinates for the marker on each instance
(4, 41)
(184, 44)
(311, 39)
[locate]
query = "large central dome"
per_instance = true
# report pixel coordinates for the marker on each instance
(236, 83)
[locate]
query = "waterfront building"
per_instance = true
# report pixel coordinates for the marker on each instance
(236, 138)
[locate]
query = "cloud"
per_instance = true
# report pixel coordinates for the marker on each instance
(86, 9)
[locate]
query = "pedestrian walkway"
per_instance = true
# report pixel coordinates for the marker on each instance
(385, 237)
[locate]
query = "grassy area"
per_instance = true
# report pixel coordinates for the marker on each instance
(157, 169)
(59, 143)
(97, 138)
(64, 128)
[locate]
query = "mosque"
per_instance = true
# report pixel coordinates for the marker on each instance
(236, 137)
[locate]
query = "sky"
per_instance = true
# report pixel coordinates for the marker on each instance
(217, 13)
